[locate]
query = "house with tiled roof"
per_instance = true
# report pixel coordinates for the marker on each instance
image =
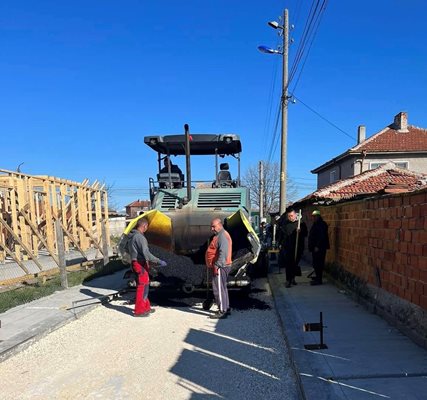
(134, 209)
(385, 179)
(400, 143)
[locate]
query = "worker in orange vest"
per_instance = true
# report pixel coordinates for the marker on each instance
(218, 257)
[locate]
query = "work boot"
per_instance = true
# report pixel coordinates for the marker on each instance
(315, 282)
(146, 314)
(293, 281)
(218, 315)
(288, 284)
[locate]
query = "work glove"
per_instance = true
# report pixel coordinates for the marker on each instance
(163, 263)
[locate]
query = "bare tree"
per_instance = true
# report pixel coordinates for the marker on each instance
(271, 186)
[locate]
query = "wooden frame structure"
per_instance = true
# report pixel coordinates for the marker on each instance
(29, 207)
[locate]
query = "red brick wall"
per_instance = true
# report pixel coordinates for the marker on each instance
(388, 233)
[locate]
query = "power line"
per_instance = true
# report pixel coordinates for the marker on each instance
(324, 118)
(302, 44)
(274, 142)
(316, 28)
(270, 101)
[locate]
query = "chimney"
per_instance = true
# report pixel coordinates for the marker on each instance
(361, 134)
(401, 122)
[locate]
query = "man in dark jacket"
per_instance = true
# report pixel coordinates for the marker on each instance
(291, 237)
(318, 243)
(141, 256)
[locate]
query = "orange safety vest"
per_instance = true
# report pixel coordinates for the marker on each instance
(212, 253)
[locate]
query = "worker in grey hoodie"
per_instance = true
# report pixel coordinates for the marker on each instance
(141, 257)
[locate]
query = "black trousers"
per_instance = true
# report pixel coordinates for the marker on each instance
(287, 260)
(319, 263)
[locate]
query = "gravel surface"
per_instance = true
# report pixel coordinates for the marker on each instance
(175, 353)
(182, 270)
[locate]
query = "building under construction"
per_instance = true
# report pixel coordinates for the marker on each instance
(46, 221)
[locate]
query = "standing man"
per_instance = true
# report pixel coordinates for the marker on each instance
(291, 249)
(141, 256)
(218, 257)
(318, 243)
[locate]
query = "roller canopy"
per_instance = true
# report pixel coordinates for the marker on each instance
(200, 144)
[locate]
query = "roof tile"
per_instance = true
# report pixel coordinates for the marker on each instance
(384, 179)
(391, 140)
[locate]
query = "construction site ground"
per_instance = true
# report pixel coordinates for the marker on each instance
(55, 348)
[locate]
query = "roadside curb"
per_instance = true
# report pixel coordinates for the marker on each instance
(295, 369)
(43, 330)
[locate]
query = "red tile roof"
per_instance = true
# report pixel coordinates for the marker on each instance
(384, 179)
(139, 203)
(391, 140)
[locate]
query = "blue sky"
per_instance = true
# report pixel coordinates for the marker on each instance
(83, 82)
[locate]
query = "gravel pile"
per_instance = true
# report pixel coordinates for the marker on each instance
(182, 270)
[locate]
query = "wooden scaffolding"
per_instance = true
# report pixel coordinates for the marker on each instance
(29, 207)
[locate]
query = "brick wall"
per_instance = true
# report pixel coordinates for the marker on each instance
(382, 241)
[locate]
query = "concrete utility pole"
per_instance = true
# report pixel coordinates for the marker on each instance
(283, 151)
(261, 193)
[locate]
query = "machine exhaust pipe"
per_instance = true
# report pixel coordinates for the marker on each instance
(187, 159)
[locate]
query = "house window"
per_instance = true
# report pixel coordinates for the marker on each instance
(374, 165)
(402, 164)
(332, 176)
(399, 164)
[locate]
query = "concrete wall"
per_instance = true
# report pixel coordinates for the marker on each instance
(416, 163)
(347, 169)
(117, 226)
(382, 244)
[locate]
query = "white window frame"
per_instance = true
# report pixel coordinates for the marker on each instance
(377, 164)
(380, 163)
(402, 162)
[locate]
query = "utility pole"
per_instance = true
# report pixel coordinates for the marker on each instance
(261, 193)
(284, 103)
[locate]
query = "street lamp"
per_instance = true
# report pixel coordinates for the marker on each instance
(284, 101)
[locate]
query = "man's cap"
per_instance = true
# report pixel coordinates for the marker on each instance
(315, 212)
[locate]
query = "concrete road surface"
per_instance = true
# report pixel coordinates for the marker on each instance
(176, 353)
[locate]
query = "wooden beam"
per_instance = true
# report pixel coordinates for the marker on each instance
(73, 200)
(98, 214)
(96, 244)
(72, 238)
(12, 255)
(24, 246)
(32, 197)
(50, 236)
(106, 216)
(63, 192)
(37, 233)
(14, 215)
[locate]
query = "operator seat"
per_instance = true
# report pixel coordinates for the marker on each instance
(224, 176)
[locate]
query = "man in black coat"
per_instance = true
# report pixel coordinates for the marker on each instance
(318, 243)
(291, 241)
